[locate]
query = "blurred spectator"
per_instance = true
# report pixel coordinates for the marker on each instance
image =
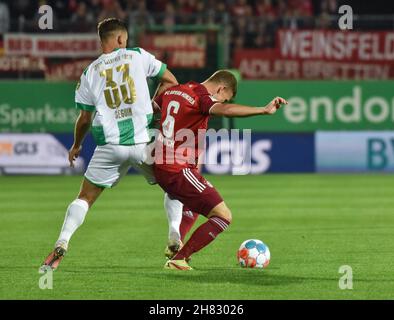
(202, 15)
(23, 8)
(111, 9)
(4, 17)
(241, 8)
(157, 6)
(264, 8)
(131, 5)
(185, 10)
(259, 41)
(306, 8)
(140, 16)
(63, 9)
(249, 23)
(169, 20)
(82, 20)
(214, 12)
(238, 43)
(324, 21)
(139, 19)
(292, 18)
(94, 7)
(187, 7)
(329, 6)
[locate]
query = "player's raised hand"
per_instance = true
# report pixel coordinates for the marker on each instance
(73, 154)
(274, 105)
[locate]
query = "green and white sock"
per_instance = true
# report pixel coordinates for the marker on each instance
(75, 216)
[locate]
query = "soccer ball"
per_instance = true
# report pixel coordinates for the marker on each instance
(253, 253)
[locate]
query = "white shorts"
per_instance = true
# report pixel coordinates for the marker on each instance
(110, 163)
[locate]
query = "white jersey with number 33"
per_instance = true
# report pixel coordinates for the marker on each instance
(115, 88)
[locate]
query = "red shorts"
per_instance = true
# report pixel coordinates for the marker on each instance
(189, 187)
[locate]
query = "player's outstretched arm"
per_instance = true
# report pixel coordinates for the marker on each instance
(82, 126)
(237, 110)
(168, 80)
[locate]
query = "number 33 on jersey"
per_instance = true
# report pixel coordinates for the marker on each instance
(114, 87)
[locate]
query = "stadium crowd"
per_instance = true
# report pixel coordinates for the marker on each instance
(251, 22)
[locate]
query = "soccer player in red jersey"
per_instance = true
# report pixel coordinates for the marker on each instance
(186, 109)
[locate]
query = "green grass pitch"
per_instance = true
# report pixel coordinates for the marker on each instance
(313, 224)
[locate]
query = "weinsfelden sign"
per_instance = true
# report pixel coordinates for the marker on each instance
(321, 54)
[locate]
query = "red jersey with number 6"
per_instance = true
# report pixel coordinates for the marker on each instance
(183, 124)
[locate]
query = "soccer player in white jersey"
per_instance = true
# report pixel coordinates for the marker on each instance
(114, 100)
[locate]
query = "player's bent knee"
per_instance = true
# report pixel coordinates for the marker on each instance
(222, 211)
(228, 216)
(89, 192)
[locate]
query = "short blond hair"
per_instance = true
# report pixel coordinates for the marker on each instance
(226, 78)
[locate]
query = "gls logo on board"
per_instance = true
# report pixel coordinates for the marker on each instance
(19, 148)
(258, 153)
(238, 157)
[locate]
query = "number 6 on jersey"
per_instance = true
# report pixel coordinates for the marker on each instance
(169, 122)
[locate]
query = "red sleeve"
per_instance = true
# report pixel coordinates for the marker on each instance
(206, 102)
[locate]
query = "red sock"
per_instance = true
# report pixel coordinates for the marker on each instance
(188, 220)
(203, 235)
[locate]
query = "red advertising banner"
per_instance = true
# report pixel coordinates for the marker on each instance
(318, 54)
(70, 70)
(52, 45)
(178, 50)
(13, 64)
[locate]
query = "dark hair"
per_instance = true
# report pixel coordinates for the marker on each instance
(106, 27)
(226, 78)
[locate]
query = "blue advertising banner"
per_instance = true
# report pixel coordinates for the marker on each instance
(367, 151)
(36, 153)
(236, 152)
(287, 153)
(67, 139)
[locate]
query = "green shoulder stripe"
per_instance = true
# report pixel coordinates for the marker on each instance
(86, 107)
(134, 49)
(163, 68)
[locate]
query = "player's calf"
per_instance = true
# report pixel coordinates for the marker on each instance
(218, 221)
